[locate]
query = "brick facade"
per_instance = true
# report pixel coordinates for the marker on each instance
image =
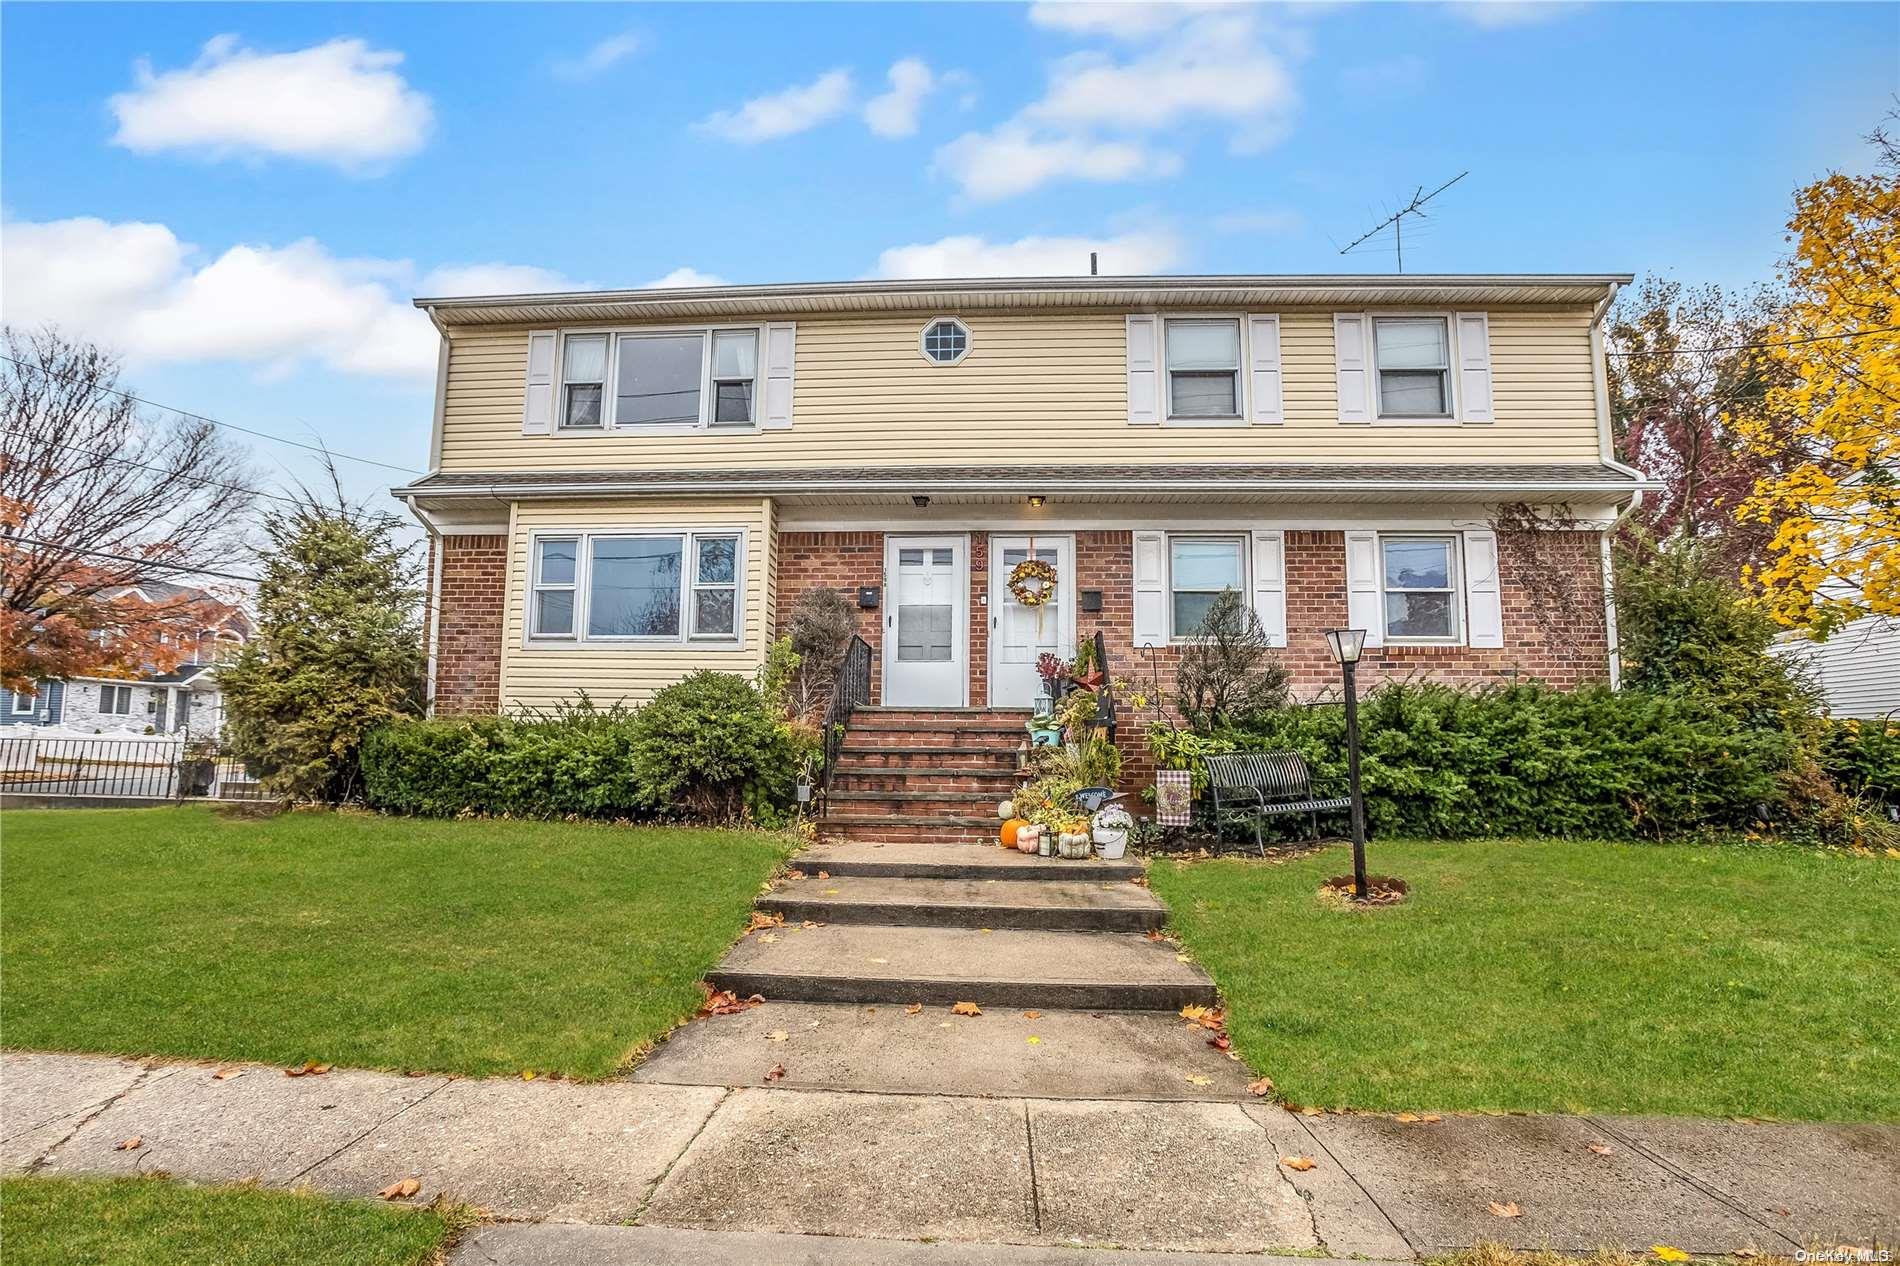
(844, 561)
(469, 623)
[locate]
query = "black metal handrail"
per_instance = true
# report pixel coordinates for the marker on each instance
(851, 689)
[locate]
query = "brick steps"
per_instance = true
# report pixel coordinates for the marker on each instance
(923, 774)
(989, 781)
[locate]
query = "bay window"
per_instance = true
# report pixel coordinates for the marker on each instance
(1200, 569)
(1203, 358)
(1419, 580)
(1413, 355)
(673, 378)
(663, 587)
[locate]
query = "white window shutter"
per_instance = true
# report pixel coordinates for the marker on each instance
(781, 354)
(1151, 589)
(1483, 602)
(1144, 370)
(1353, 366)
(1269, 584)
(1263, 357)
(1474, 367)
(1364, 604)
(537, 405)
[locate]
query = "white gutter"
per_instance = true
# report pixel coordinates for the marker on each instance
(929, 485)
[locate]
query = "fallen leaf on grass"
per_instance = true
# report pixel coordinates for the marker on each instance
(1299, 1164)
(1749, 1250)
(400, 1190)
(778, 1035)
(1263, 1086)
(132, 1144)
(775, 1072)
(915, 1008)
(1669, 1252)
(1508, 1209)
(1197, 1079)
(1603, 1149)
(1183, 958)
(966, 1008)
(310, 1069)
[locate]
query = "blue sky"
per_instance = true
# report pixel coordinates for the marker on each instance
(244, 197)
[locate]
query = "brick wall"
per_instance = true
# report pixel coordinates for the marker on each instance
(469, 624)
(834, 560)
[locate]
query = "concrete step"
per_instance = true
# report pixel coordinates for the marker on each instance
(898, 860)
(1062, 905)
(1084, 971)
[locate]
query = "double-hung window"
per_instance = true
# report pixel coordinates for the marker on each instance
(115, 701)
(1419, 579)
(1203, 356)
(646, 587)
(1413, 355)
(23, 702)
(654, 378)
(1200, 569)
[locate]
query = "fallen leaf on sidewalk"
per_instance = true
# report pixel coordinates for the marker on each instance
(1669, 1252)
(225, 1074)
(1312, 1110)
(775, 1072)
(1198, 1079)
(310, 1069)
(1406, 1118)
(915, 1008)
(1154, 934)
(132, 1144)
(400, 1190)
(1221, 1042)
(824, 874)
(809, 924)
(1603, 1149)
(1032, 1015)
(768, 938)
(1034, 1040)
(830, 892)
(760, 920)
(947, 1025)
(1508, 1209)
(880, 960)
(1263, 1086)
(966, 1008)
(725, 1002)
(1299, 1164)
(1430, 1117)
(778, 1035)
(527, 1074)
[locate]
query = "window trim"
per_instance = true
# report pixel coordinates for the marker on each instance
(923, 335)
(125, 693)
(1243, 539)
(32, 704)
(1376, 398)
(1243, 352)
(536, 586)
(610, 423)
(688, 537)
(690, 608)
(1455, 588)
(561, 381)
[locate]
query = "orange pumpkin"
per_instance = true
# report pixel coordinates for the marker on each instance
(1011, 829)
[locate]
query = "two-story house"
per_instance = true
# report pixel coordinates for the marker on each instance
(626, 486)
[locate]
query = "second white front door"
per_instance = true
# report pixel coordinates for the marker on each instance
(926, 621)
(1020, 634)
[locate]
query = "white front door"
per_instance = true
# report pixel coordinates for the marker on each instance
(926, 621)
(1020, 634)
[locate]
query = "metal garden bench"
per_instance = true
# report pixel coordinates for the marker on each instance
(1266, 784)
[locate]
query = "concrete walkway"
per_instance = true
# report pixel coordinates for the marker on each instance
(1133, 1173)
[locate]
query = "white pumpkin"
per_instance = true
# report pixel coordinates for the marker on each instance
(1006, 810)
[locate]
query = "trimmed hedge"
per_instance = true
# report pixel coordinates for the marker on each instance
(1527, 759)
(705, 748)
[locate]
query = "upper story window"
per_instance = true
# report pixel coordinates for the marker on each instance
(692, 378)
(945, 341)
(1419, 579)
(660, 587)
(1203, 363)
(1200, 569)
(1413, 356)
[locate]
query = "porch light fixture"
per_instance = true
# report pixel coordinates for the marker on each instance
(1035, 500)
(1346, 646)
(920, 501)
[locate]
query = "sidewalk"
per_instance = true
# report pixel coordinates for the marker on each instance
(1133, 1173)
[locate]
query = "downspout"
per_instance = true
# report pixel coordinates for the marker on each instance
(436, 543)
(1607, 451)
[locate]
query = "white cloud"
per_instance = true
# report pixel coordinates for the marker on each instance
(341, 102)
(1148, 251)
(494, 279)
(1133, 20)
(136, 287)
(1494, 15)
(895, 113)
(796, 109)
(602, 56)
(684, 278)
(1012, 160)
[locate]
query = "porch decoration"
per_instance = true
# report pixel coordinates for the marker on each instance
(1174, 797)
(1073, 843)
(1029, 839)
(1012, 831)
(1110, 827)
(1032, 582)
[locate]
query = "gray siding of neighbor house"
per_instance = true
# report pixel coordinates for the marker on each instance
(47, 706)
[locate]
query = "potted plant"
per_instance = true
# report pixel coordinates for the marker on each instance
(1054, 671)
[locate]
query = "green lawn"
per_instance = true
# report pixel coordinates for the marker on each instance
(466, 947)
(82, 1222)
(1560, 976)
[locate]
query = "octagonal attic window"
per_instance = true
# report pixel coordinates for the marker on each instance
(946, 341)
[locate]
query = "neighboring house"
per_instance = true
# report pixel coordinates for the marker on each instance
(182, 700)
(1858, 668)
(627, 486)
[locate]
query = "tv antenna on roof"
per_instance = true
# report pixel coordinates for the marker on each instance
(1397, 219)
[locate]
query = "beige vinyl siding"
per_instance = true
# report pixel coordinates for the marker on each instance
(1047, 387)
(543, 677)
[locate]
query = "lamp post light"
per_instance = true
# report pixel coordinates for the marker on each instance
(1346, 645)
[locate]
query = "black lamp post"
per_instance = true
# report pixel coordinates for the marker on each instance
(1346, 645)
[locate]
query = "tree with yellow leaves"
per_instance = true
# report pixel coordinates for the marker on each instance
(1835, 415)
